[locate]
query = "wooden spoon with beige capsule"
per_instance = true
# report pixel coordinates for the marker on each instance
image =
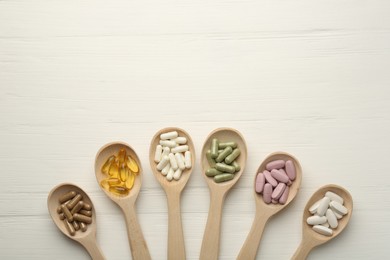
(265, 211)
(218, 191)
(310, 238)
(126, 202)
(173, 190)
(87, 238)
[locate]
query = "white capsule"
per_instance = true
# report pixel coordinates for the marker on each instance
(177, 174)
(323, 230)
(316, 220)
(166, 151)
(179, 160)
(332, 220)
(187, 160)
(164, 161)
(326, 224)
(334, 197)
(180, 140)
(157, 154)
(173, 161)
(168, 143)
(170, 174)
(180, 149)
(338, 216)
(314, 207)
(337, 207)
(323, 206)
(166, 169)
(169, 135)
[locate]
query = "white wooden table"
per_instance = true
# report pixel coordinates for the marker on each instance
(308, 77)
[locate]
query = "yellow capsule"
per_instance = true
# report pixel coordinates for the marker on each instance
(123, 172)
(113, 182)
(107, 164)
(104, 184)
(119, 190)
(114, 170)
(132, 164)
(130, 180)
(122, 155)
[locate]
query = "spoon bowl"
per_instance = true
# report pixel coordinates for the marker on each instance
(173, 189)
(87, 238)
(310, 238)
(218, 191)
(265, 211)
(138, 246)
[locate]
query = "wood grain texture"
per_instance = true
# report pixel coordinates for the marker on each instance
(307, 77)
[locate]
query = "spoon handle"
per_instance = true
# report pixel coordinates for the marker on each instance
(138, 246)
(252, 242)
(176, 247)
(302, 251)
(93, 249)
(211, 237)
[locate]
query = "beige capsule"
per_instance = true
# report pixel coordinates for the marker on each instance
(78, 207)
(69, 227)
(83, 226)
(74, 201)
(67, 213)
(76, 225)
(87, 213)
(62, 216)
(82, 218)
(67, 196)
(87, 206)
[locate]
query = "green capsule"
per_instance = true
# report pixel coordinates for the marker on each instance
(214, 148)
(228, 150)
(224, 145)
(232, 156)
(223, 177)
(209, 159)
(212, 172)
(225, 168)
(236, 166)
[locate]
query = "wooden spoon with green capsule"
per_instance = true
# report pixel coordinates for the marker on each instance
(265, 211)
(126, 202)
(218, 191)
(87, 238)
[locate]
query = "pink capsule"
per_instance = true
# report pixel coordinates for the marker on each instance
(267, 192)
(278, 191)
(284, 197)
(274, 201)
(260, 181)
(290, 170)
(279, 176)
(270, 179)
(277, 164)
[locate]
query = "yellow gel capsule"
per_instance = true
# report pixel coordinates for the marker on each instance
(119, 190)
(107, 164)
(122, 155)
(123, 172)
(113, 182)
(105, 185)
(130, 180)
(132, 164)
(114, 170)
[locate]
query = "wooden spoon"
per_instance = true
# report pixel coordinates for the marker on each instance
(310, 238)
(138, 246)
(265, 211)
(218, 191)
(173, 189)
(87, 238)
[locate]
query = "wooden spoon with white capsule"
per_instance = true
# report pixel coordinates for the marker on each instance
(265, 211)
(138, 246)
(87, 238)
(218, 191)
(173, 189)
(311, 238)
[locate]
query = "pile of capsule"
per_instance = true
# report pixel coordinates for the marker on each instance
(121, 171)
(75, 213)
(274, 182)
(222, 160)
(172, 155)
(326, 213)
